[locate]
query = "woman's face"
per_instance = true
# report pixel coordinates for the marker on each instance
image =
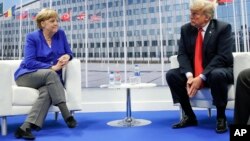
(50, 25)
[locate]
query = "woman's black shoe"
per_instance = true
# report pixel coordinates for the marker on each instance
(35, 127)
(20, 133)
(71, 122)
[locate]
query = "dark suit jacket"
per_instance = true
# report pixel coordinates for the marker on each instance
(217, 47)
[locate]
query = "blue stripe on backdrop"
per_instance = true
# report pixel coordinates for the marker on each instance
(93, 127)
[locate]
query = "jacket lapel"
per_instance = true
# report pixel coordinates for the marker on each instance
(208, 35)
(193, 37)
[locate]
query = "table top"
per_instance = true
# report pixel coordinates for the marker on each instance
(129, 85)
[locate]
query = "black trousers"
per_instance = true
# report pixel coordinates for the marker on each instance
(242, 98)
(217, 80)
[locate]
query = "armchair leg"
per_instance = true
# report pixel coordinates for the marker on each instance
(4, 125)
(209, 112)
(56, 115)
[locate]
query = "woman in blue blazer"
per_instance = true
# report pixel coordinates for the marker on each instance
(46, 52)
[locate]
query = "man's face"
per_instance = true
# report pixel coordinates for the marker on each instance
(198, 19)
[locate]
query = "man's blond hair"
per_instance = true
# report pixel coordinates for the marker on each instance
(207, 7)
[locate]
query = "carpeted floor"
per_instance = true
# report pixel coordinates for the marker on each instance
(93, 127)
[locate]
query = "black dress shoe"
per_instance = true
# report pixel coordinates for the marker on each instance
(20, 133)
(71, 122)
(221, 125)
(185, 122)
(35, 127)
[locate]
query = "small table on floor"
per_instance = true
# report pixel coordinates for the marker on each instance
(129, 121)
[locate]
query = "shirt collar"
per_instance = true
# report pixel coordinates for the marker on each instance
(205, 27)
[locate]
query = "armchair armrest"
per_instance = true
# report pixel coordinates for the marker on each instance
(6, 88)
(73, 84)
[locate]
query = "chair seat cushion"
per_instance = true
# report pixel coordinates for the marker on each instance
(25, 96)
(205, 94)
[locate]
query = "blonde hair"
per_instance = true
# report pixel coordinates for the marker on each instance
(207, 7)
(45, 14)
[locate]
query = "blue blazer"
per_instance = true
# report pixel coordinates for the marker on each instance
(38, 55)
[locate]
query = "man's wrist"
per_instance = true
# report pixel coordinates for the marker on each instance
(203, 77)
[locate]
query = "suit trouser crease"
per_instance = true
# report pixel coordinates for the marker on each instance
(51, 91)
(38, 115)
(177, 85)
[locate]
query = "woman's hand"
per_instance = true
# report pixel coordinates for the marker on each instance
(57, 67)
(63, 60)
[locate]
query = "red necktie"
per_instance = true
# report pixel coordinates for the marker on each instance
(198, 55)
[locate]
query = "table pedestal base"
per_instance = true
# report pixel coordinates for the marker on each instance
(129, 122)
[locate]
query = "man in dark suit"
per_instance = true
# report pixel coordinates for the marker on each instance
(216, 62)
(242, 98)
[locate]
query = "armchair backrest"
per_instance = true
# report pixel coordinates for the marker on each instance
(12, 65)
(241, 62)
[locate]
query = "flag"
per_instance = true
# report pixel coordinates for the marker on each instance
(96, 17)
(65, 17)
(33, 16)
(81, 16)
(10, 12)
(1, 8)
(22, 15)
(222, 2)
(226, 1)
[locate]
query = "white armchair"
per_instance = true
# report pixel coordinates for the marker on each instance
(17, 100)
(203, 98)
